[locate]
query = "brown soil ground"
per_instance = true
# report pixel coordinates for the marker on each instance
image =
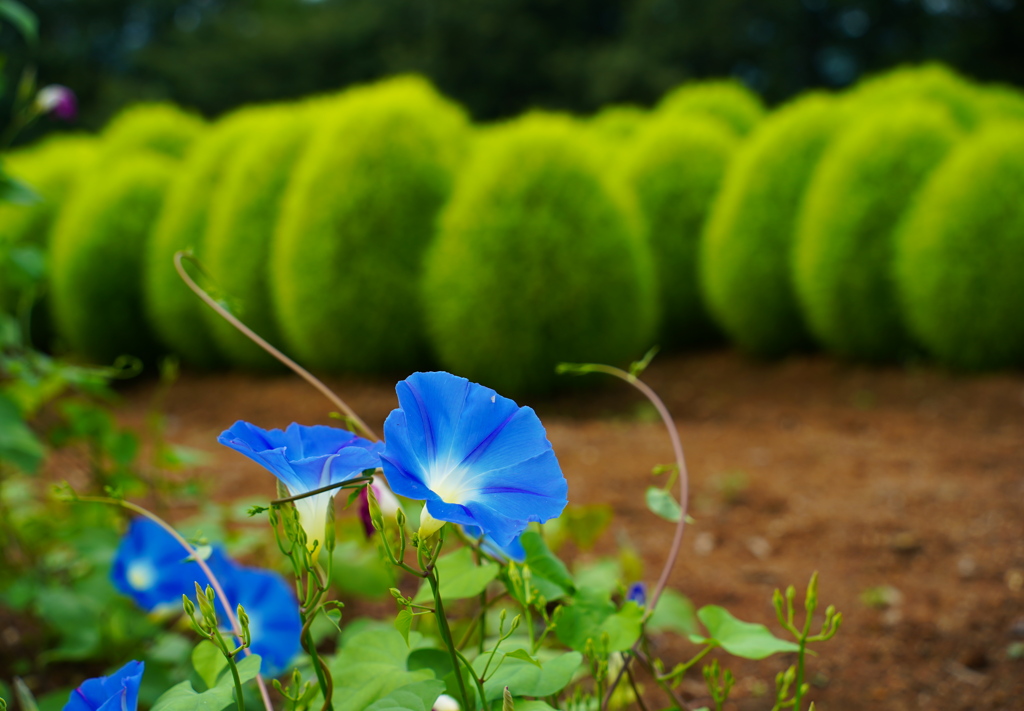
(905, 482)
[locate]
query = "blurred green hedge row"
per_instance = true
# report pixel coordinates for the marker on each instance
(377, 230)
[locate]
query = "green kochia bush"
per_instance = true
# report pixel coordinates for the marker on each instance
(358, 213)
(243, 215)
(726, 101)
(927, 82)
(96, 257)
(163, 128)
(674, 168)
(960, 254)
(745, 256)
(844, 251)
(539, 260)
(50, 169)
(176, 314)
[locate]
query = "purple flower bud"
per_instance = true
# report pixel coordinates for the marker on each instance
(637, 593)
(58, 100)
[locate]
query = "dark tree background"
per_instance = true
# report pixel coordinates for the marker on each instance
(499, 57)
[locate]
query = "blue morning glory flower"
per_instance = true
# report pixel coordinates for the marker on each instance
(513, 551)
(274, 621)
(475, 457)
(150, 566)
(117, 692)
(305, 459)
(637, 593)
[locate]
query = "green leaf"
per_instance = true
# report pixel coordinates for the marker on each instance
(524, 678)
(661, 503)
(460, 576)
(22, 18)
(437, 660)
(524, 655)
(590, 615)
(526, 705)
(604, 575)
(403, 623)
(209, 662)
(13, 190)
(548, 573)
(749, 640)
(182, 697)
(674, 613)
(371, 664)
(413, 697)
(18, 444)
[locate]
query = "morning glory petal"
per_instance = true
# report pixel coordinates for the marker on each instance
(475, 457)
(305, 459)
(150, 566)
(274, 620)
(118, 691)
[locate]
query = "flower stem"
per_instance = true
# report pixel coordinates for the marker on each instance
(684, 498)
(446, 636)
(259, 341)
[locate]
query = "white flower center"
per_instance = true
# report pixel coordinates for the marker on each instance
(449, 485)
(141, 575)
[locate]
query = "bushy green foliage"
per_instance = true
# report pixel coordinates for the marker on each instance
(618, 122)
(960, 251)
(674, 167)
(50, 169)
(539, 260)
(159, 127)
(96, 257)
(358, 213)
(240, 228)
(745, 256)
(1001, 102)
(843, 258)
(727, 101)
(175, 313)
(914, 83)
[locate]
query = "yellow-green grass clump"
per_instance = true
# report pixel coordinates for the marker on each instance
(160, 127)
(540, 260)
(96, 258)
(358, 213)
(50, 169)
(675, 167)
(243, 215)
(843, 258)
(745, 260)
(619, 122)
(176, 314)
(915, 83)
(960, 251)
(725, 100)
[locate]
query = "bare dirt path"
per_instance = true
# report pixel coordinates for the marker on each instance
(903, 487)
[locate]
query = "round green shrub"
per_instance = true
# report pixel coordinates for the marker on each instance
(176, 314)
(727, 101)
(50, 170)
(96, 257)
(1001, 102)
(960, 251)
(745, 260)
(674, 167)
(539, 260)
(243, 214)
(926, 82)
(160, 127)
(619, 122)
(358, 213)
(843, 258)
